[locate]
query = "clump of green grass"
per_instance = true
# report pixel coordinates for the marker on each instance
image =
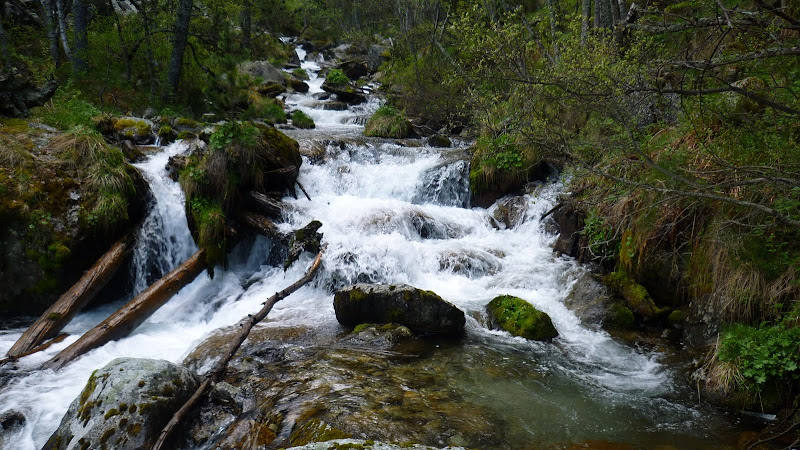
(388, 122)
(336, 77)
(302, 120)
(68, 112)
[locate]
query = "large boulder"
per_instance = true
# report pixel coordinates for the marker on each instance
(263, 70)
(354, 68)
(423, 312)
(124, 405)
(520, 318)
(345, 92)
(18, 93)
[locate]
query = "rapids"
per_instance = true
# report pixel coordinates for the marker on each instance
(394, 214)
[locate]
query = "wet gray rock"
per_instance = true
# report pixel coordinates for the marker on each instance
(423, 312)
(124, 405)
(345, 92)
(264, 70)
(589, 299)
(509, 212)
(438, 140)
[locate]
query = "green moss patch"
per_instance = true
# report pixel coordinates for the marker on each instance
(634, 294)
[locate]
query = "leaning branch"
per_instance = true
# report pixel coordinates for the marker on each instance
(245, 325)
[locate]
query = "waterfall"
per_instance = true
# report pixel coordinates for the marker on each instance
(390, 214)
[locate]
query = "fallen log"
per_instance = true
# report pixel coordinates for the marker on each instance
(260, 223)
(132, 314)
(266, 205)
(38, 349)
(245, 325)
(71, 302)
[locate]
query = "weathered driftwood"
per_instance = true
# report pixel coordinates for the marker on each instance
(132, 314)
(260, 223)
(245, 325)
(71, 302)
(266, 205)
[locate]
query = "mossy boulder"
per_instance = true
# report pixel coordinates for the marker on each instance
(345, 92)
(618, 317)
(520, 318)
(124, 405)
(634, 294)
(302, 120)
(137, 130)
(423, 312)
(262, 70)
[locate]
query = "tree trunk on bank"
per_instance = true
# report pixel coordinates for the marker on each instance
(133, 313)
(245, 325)
(4, 45)
(246, 24)
(586, 13)
(62, 29)
(80, 12)
(180, 38)
(50, 25)
(74, 300)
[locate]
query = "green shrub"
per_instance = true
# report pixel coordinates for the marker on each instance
(388, 122)
(302, 120)
(336, 76)
(763, 354)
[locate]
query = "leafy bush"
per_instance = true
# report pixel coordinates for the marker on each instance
(336, 76)
(763, 354)
(302, 120)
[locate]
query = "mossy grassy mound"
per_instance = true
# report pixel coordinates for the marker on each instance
(520, 318)
(388, 122)
(240, 157)
(634, 294)
(63, 198)
(302, 120)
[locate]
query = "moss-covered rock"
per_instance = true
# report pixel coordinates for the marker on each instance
(302, 120)
(520, 318)
(124, 405)
(315, 430)
(618, 317)
(423, 312)
(634, 294)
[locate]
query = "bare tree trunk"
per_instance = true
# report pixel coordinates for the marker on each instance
(551, 7)
(586, 13)
(74, 300)
(80, 12)
(4, 44)
(623, 9)
(133, 313)
(62, 29)
(245, 325)
(180, 38)
(613, 7)
(50, 24)
(247, 16)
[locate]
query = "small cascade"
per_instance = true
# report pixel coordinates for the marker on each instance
(164, 240)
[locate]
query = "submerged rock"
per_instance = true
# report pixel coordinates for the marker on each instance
(520, 318)
(365, 445)
(423, 312)
(124, 405)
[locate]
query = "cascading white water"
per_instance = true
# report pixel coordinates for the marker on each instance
(164, 240)
(390, 214)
